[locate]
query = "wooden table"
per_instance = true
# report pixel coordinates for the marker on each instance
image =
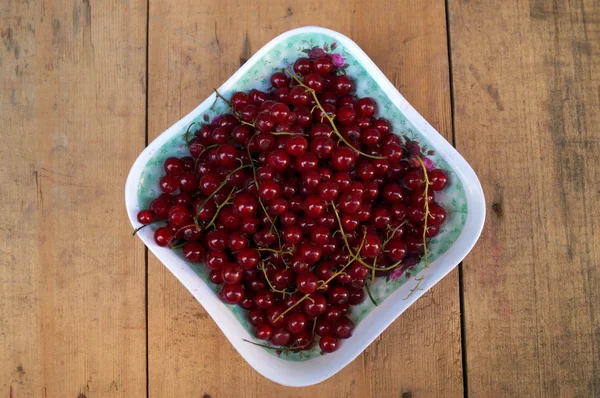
(86, 312)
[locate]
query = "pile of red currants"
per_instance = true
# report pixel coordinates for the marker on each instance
(296, 201)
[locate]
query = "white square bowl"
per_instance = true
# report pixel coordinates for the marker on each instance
(463, 200)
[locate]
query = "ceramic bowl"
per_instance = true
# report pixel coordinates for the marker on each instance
(463, 200)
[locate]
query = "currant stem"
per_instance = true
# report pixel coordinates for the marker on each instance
(287, 133)
(425, 219)
(225, 202)
(391, 236)
(223, 98)
(345, 237)
(246, 123)
(175, 234)
(273, 227)
(329, 118)
(307, 296)
(201, 153)
(369, 294)
(135, 231)
(187, 132)
(209, 197)
(273, 289)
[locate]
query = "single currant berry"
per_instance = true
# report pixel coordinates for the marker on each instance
(328, 343)
(307, 282)
(193, 252)
(145, 217)
(232, 293)
(173, 167)
(163, 236)
(438, 179)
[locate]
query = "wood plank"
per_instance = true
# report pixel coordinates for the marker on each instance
(73, 116)
(194, 47)
(526, 79)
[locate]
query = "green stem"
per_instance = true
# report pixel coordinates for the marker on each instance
(223, 98)
(273, 227)
(209, 197)
(225, 202)
(187, 132)
(369, 293)
(307, 296)
(330, 118)
(135, 231)
(425, 219)
(287, 133)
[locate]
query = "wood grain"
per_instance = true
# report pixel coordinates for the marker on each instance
(73, 114)
(527, 83)
(194, 47)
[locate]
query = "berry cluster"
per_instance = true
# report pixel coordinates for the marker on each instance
(296, 201)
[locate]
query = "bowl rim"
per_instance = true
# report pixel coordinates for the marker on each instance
(296, 374)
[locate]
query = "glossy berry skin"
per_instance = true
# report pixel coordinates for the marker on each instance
(437, 215)
(217, 240)
(239, 101)
(345, 115)
(173, 167)
(324, 325)
(264, 331)
(396, 250)
(279, 160)
(367, 107)
(328, 343)
(163, 236)
(232, 273)
(215, 260)
(310, 253)
(193, 252)
(338, 295)
(296, 323)
(350, 203)
(268, 190)
(323, 66)
(302, 341)
(372, 246)
(314, 206)
(160, 208)
(343, 159)
(307, 282)
(315, 82)
(145, 217)
(275, 317)
(296, 145)
(248, 258)
(279, 79)
(232, 294)
(168, 184)
(414, 180)
(343, 84)
(315, 307)
(216, 277)
(302, 66)
(320, 235)
(281, 337)
(342, 327)
(438, 179)
(264, 299)
(328, 190)
(357, 296)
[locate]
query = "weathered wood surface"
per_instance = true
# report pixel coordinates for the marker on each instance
(527, 110)
(72, 297)
(526, 84)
